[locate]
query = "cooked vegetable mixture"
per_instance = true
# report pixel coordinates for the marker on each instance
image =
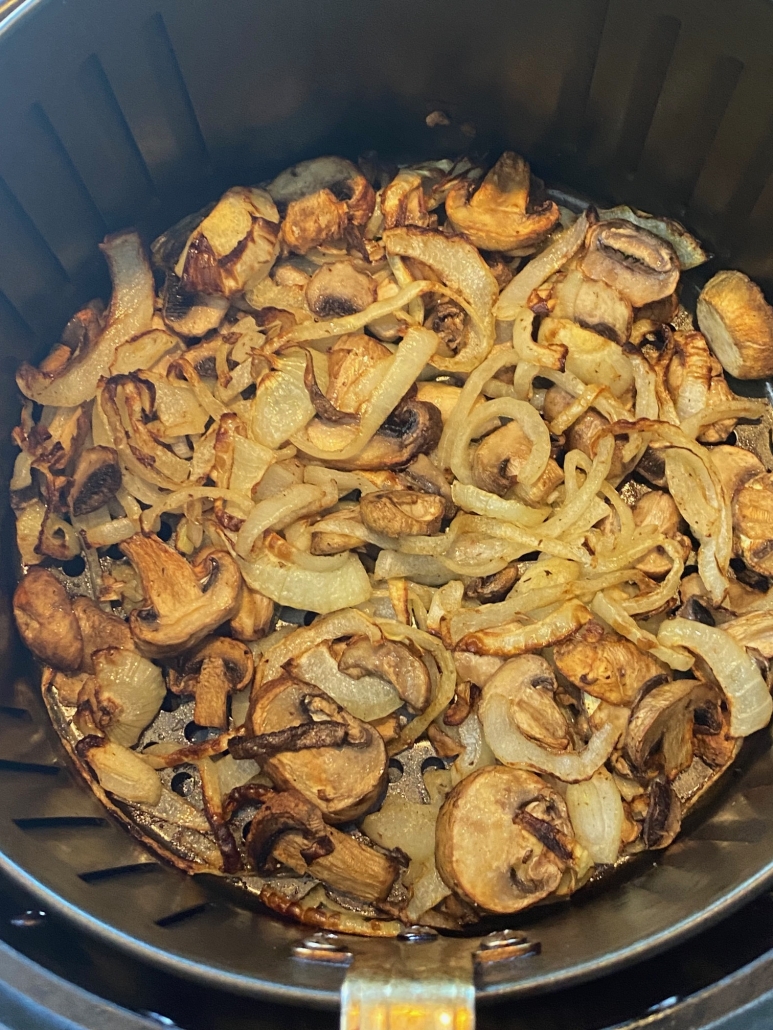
(370, 463)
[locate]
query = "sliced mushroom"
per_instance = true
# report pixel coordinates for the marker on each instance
(46, 621)
(738, 324)
(339, 289)
(658, 509)
(392, 662)
(664, 816)
(662, 722)
(496, 216)
(214, 670)
(413, 428)
(592, 304)
(533, 706)
(499, 457)
(234, 245)
(488, 589)
(95, 480)
(587, 433)
(402, 512)
(423, 475)
(183, 602)
(753, 522)
(345, 780)
(254, 617)
(735, 466)
(503, 839)
(606, 665)
(695, 381)
(639, 265)
(352, 866)
(403, 202)
(593, 358)
(191, 314)
(99, 629)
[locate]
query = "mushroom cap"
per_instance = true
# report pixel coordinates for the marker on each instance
(487, 858)
(393, 662)
(735, 466)
(531, 687)
(99, 629)
(638, 264)
(605, 665)
(496, 216)
(499, 457)
(344, 781)
(337, 290)
(238, 664)
(738, 324)
(46, 621)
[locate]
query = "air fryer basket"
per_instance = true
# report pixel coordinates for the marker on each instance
(137, 113)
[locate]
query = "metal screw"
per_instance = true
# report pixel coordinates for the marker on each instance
(504, 945)
(158, 1018)
(323, 947)
(29, 919)
(418, 934)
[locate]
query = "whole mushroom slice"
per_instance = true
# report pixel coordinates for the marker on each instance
(660, 732)
(393, 662)
(402, 512)
(738, 324)
(341, 762)
(503, 839)
(183, 602)
(96, 478)
(497, 215)
(46, 621)
(337, 290)
(638, 264)
(214, 670)
(752, 509)
(606, 665)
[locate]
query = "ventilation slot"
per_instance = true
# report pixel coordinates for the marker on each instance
(651, 70)
(98, 875)
(180, 917)
(9, 765)
(56, 822)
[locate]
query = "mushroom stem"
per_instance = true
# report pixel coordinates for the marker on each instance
(214, 686)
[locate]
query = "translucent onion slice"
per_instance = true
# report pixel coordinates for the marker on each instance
(413, 353)
(283, 645)
(562, 247)
(512, 748)
(295, 587)
(124, 773)
(132, 687)
(280, 510)
(735, 670)
(515, 638)
(597, 815)
(367, 698)
(473, 499)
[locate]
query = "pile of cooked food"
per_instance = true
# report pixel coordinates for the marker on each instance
(393, 543)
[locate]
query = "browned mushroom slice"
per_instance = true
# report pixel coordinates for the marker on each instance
(658, 509)
(639, 265)
(605, 665)
(413, 428)
(99, 629)
(753, 522)
(587, 433)
(503, 839)
(738, 324)
(190, 314)
(182, 602)
(46, 621)
(695, 381)
(214, 670)
(403, 202)
(254, 617)
(423, 475)
(533, 705)
(235, 243)
(351, 866)
(592, 304)
(735, 466)
(499, 457)
(488, 589)
(664, 816)
(350, 358)
(496, 216)
(660, 732)
(392, 662)
(95, 480)
(339, 289)
(343, 779)
(402, 512)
